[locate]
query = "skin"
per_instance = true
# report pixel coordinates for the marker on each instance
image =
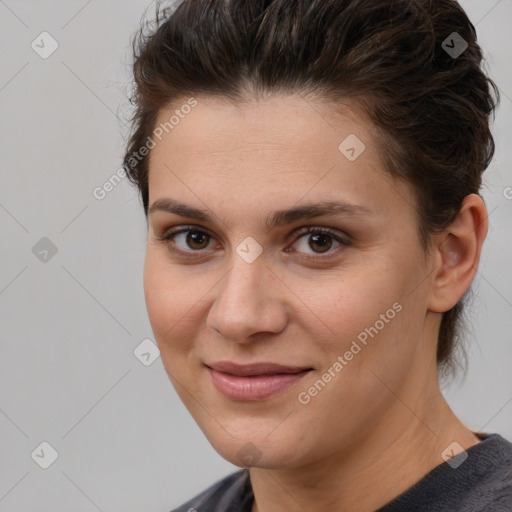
(381, 423)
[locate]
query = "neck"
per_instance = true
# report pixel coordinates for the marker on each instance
(373, 469)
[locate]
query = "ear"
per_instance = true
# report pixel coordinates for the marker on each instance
(456, 254)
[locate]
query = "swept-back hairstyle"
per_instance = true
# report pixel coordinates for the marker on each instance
(422, 89)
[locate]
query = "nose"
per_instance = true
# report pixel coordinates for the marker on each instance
(249, 301)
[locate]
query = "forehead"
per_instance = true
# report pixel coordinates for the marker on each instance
(283, 146)
(217, 125)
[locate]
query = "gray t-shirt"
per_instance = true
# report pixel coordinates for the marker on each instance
(480, 482)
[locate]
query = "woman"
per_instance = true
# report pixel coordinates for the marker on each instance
(310, 172)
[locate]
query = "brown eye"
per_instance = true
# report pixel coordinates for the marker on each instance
(323, 241)
(317, 241)
(186, 240)
(196, 239)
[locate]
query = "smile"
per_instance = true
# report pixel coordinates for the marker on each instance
(253, 382)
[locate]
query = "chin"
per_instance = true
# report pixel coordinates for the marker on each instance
(254, 448)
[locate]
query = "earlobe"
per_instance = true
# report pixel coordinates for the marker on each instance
(458, 254)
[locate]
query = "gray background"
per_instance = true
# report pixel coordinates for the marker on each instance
(69, 326)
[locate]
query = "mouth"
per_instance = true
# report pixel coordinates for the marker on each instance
(253, 382)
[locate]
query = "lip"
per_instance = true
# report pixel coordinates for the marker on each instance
(252, 382)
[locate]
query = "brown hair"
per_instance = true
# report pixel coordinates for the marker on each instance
(430, 107)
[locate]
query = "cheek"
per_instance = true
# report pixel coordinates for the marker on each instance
(176, 301)
(167, 299)
(370, 315)
(354, 301)
(374, 320)
(335, 308)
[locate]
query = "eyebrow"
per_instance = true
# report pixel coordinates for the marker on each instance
(275, 219)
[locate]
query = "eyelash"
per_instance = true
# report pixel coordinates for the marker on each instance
(167, 237)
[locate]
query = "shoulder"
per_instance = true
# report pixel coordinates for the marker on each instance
(488, 475)
(477, 480)
(493, 468)
(232, 493)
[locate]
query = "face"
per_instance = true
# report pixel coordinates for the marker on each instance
(282, 325)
